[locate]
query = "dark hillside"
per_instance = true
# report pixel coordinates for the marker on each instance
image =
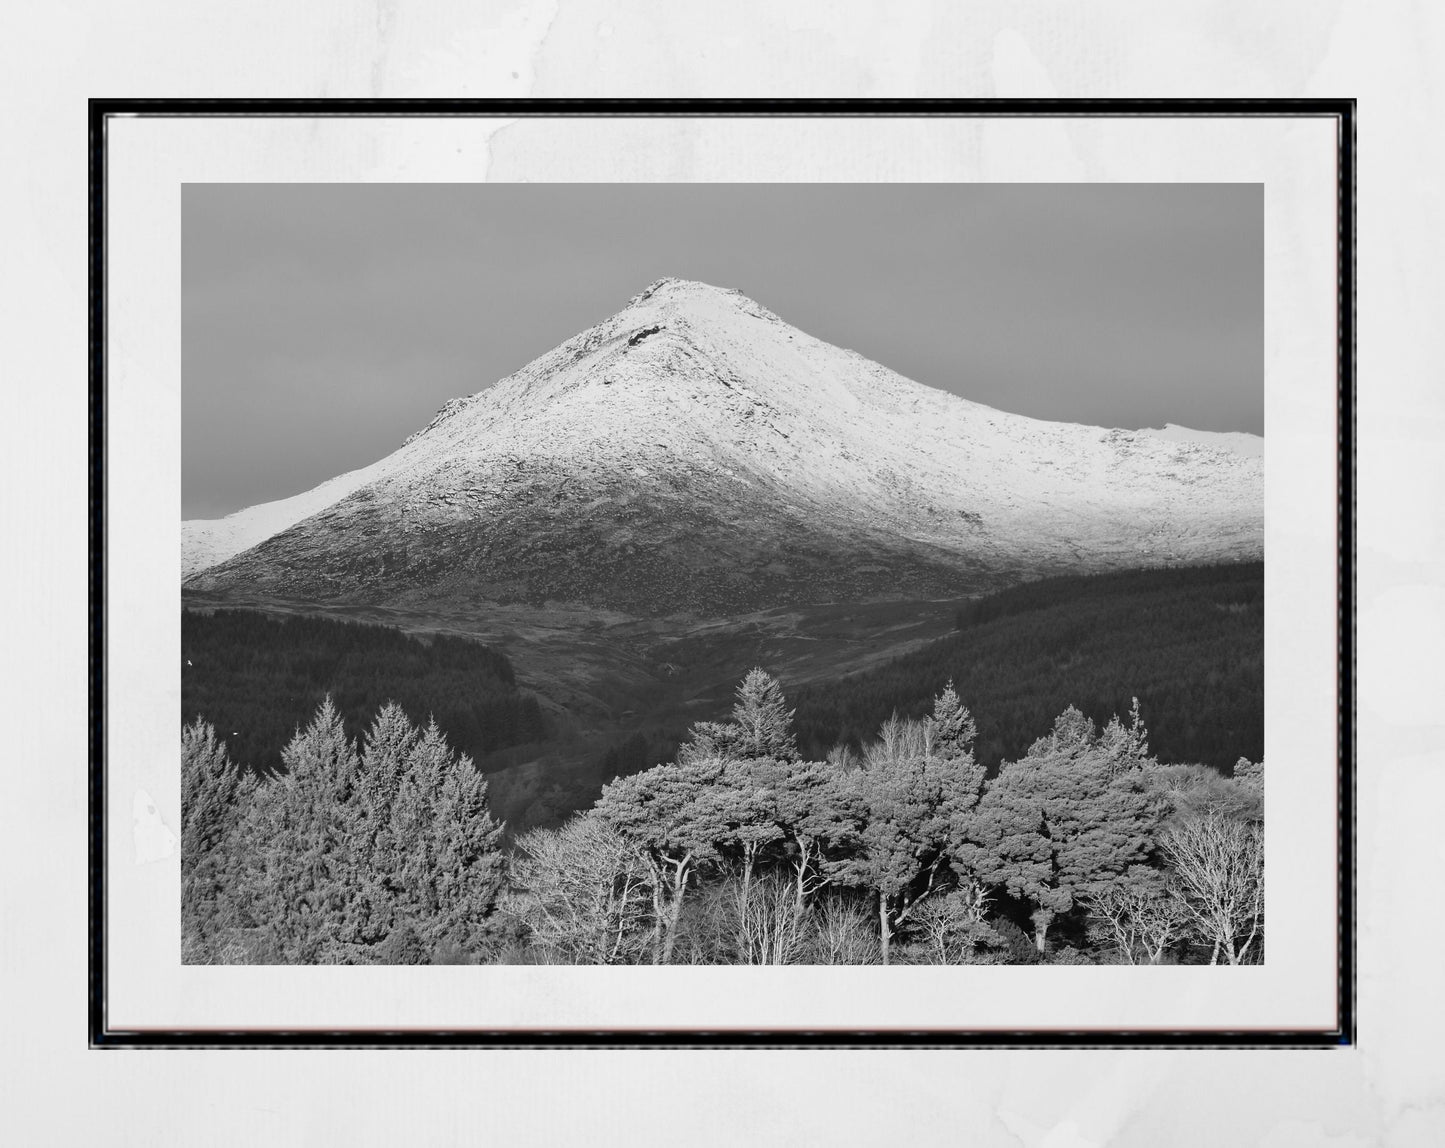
(256, 678)
(1188, 642)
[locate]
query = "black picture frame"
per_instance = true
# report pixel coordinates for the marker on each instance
(103, 1035)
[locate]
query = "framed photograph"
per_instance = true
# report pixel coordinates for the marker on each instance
(722, 573)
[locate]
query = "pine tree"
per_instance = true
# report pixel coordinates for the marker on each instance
(384, 753)
(213, 792)
(1074, 815)
(209, 781)
(471, 867)
(951, 728)
(909, 805)
(761, 726)
(383, 855)
(795, 811)
(709, 740)
(299, 845)
(385, 756)
(674, 815)
(449, 867)
(762, 717)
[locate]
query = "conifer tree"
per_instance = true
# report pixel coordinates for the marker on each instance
(796, 810)
(762, 717)
(674, 815)
(1074, 815)
(909, 805)
(951, 728)
(213, 791)
(383, 855)
(449, 868)
(209, 782)
(385, 756)
(300, 847)
(761, 726)
(708, 740)
(471, 866)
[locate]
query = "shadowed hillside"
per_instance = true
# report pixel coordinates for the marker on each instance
(257, 678)
(1188, 642)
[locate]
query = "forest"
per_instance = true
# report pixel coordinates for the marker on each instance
(1085, 848)
(1192, 636)
(258, 678)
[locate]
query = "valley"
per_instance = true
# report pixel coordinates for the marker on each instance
(603, 676)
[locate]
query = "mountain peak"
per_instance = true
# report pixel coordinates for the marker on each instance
(674, 288)
(690, 299)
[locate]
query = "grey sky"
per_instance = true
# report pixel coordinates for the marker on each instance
(324, 323)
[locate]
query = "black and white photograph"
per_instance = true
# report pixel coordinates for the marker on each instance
(810, 574)
(645, 573)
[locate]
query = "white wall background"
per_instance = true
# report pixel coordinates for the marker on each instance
(1389, 1090)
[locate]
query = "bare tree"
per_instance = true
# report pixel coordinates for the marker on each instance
(1219, 862)
(583, 892)
(843, 934)
(766, 927)
(954, 924)
(1142, 920)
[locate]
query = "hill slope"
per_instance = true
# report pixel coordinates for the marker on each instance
(258, 679)
(1188, 643)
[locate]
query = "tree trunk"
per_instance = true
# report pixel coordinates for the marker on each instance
(1042, 919)
(883, 924)
(800, 901)
(670, 935)
(680, 872)
(657, 917)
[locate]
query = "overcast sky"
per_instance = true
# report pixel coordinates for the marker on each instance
(324, 323)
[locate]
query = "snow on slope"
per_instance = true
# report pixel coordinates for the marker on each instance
(696, 432)
(1249, 445)
(206, 542)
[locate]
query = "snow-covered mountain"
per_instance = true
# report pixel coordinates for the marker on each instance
(695, 453)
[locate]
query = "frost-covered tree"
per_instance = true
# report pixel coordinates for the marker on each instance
(761, 726)
(763, 719)
(1195, 790)
(454, 866)
(802, 801)
(380, 855)
(908, 805)
(582, 892)
(951, 728)
(1219, 863)
(300, 849)
(214, 790)
(674, 815)
(1069, 819)
(210, 781)
(1141, 920)
(1250, 776)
